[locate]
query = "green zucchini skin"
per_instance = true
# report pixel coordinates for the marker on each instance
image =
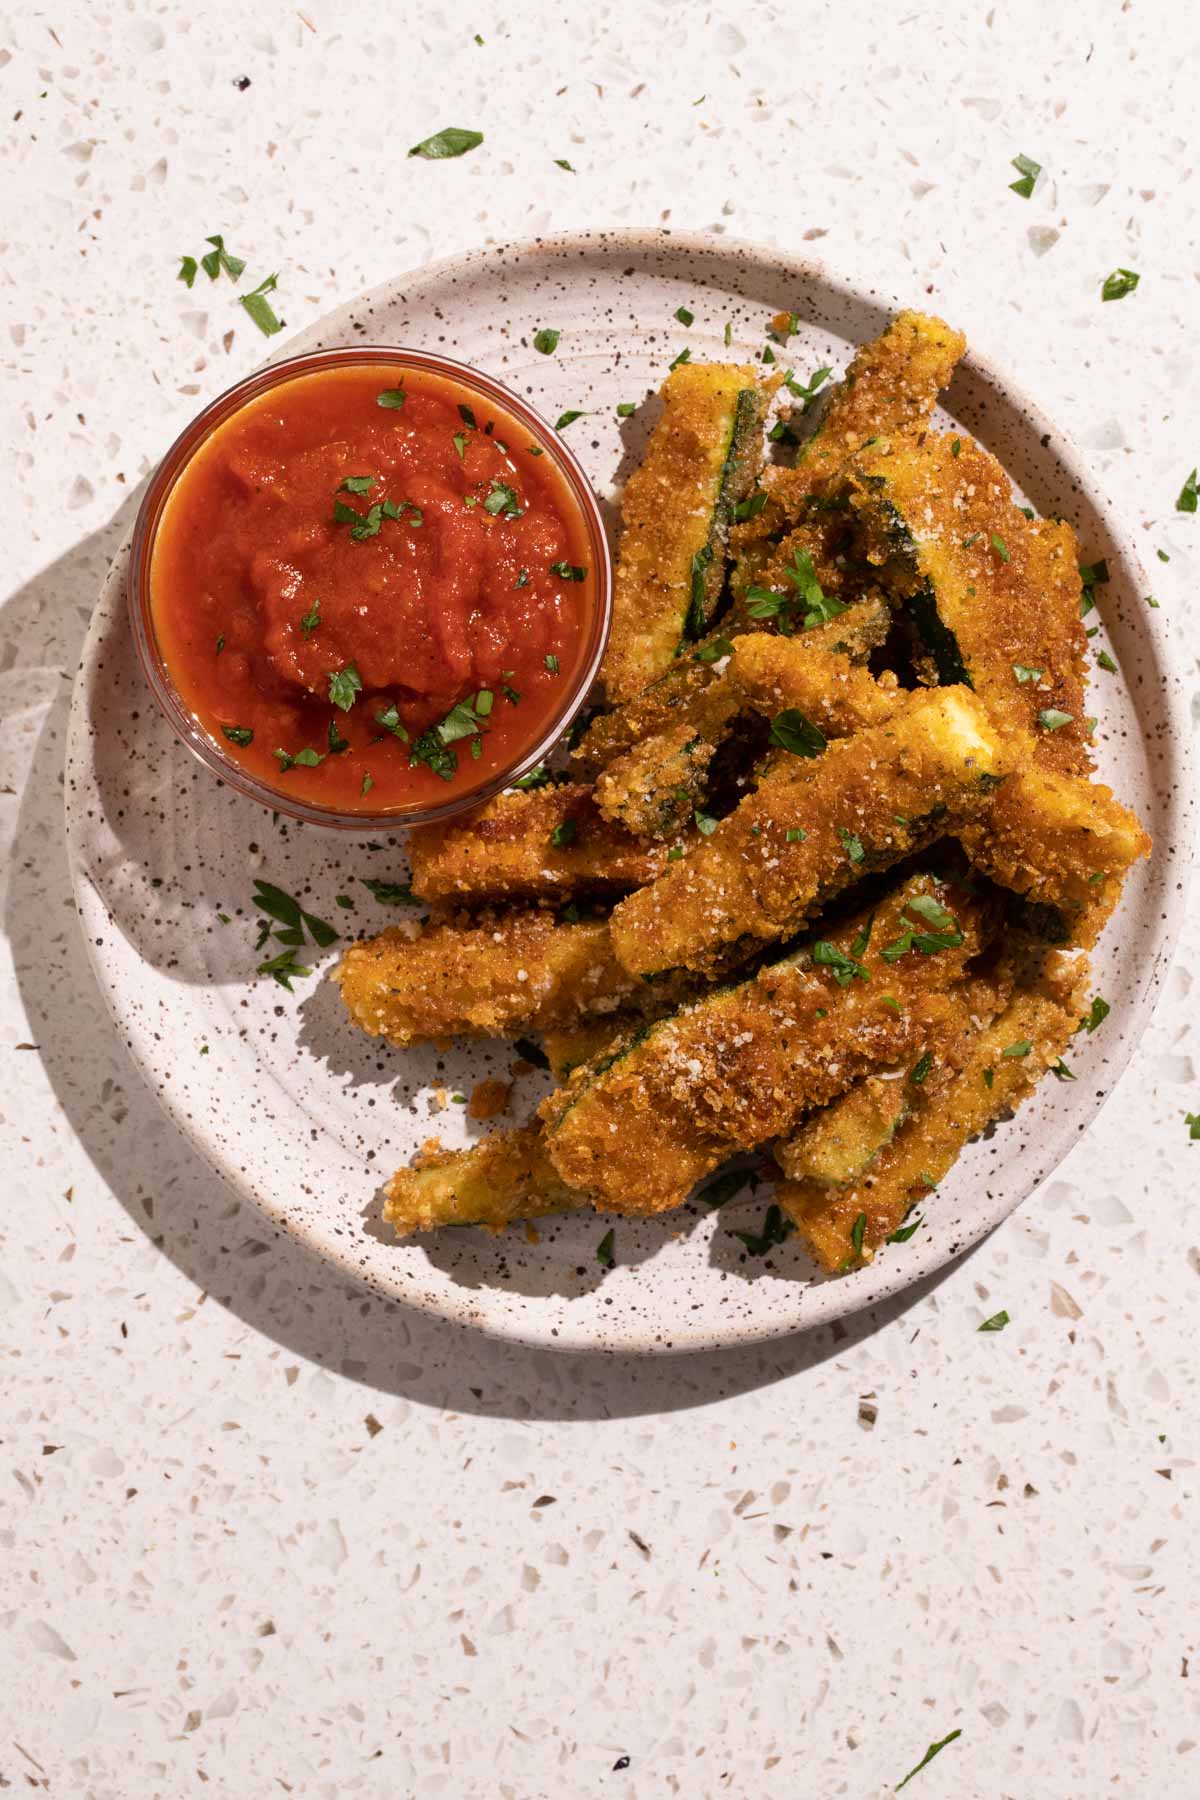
(743, 458)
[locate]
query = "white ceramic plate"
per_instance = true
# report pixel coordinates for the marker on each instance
(306, 1115)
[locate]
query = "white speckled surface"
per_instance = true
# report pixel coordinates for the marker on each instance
(780, 1571)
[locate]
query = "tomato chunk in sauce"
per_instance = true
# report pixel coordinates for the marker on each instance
(368, 584)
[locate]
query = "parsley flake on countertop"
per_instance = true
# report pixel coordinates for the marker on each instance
(187, 270)
(452, 141)
(1192, 1121)
(218, 258)
(929, 1755)
(560, 162)
(260, 308)
(546, 340)
(997, 1322)
(1029, 172)
(1187, 500)
(1118, 284)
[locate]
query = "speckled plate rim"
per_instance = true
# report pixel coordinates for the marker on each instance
(815, 1304)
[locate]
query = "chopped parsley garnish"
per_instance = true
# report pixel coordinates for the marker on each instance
(626, 409)
(1061, 1070)
(766, 354)
(568, 571)
(857, 1232)
(391, 399)
(1051, 719)
(390, 893)
(238, 734)
(903, 1232)
(1000, 547)
(459, 441)
(288, 913)
(260, 308)
(1100, 1010)
(344, 686)
(997, 1322)
(502, 501)
(929, 1756)
(368, 782)
(537, 777)
(389, 719)
(1106, 663)
(956, 447)
(709, 653)
(311, 619)
(944, 936)
(560, 162)
(568, 418)
(453, 141)
(705, 823)
(685, 356)
(522, 578)
(1192, 1121)
(604, 1250)
(845, 968)
(1029, 172)
(684, 316)
(187, 270)
(794, 835)
(793, 732)
(551, 665)
(282, 968)
(303, 759)
(921, 1068)
(467, 415)
(546, 340)
(776, 1229)
(462, 721)
(1024, 673)
(1118, 284)
(220, 642)
(852, 845)
(819, 608)
(564, 834)
(751, 506)
(356, 484)
(1022, 1047)
(723, 1187)
(989, 1077)
(807, 391)
(1187, 500)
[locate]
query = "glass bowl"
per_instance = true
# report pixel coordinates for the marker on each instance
(188, 728)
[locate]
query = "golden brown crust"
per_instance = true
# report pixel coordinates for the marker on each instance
(550, 842)
(811, 828)
(740, 1066)
(503, 1177)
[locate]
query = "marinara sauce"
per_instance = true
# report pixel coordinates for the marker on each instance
(370, 587)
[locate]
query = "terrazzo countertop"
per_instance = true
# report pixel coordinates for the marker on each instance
(262, 1534)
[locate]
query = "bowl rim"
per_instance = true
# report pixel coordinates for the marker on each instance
(200, 429)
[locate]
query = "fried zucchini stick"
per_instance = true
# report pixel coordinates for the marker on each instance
(993, 596)
(641, 1125)
(701, 460)
(806, 834)
(693, 690)
(551, 842)
(1001, 1067)
(504, 1177)
(890, 388)
(510, 972)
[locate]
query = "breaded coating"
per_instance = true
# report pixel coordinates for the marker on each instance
(568, 1047)
(506, 973)
(676, 510)
(550, 842)
(504, 1177)
(640, 1126)
(693, 690)
(890, 388)
(654, 788)
(811, 828)
(1001, 1067)
(773, 674)
(1060, 842)
(993, 596)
